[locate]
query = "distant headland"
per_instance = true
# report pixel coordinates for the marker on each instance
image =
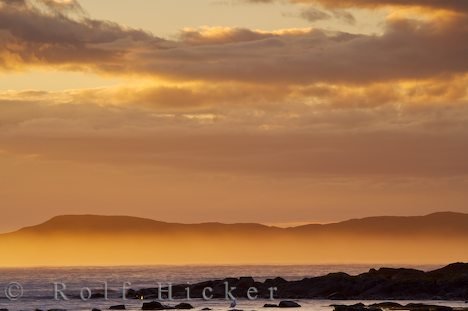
(437, 238)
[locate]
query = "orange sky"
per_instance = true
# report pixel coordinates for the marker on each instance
(234, 110)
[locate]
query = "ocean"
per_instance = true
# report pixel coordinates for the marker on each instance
(25, 289)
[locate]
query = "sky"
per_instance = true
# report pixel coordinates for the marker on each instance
(277, 112)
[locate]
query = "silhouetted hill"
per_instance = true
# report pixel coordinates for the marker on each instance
(446, 223)
(127, 224)
(121, 240)
(437, 223)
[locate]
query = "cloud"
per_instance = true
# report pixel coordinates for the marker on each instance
(313, 102)
(453, 5)
(105, 139)
(30, 36)
(220, 35)
(408, 129)
(400, 53)
(61, 6)
(313, 14)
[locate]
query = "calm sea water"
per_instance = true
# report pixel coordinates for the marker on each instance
(38, 284)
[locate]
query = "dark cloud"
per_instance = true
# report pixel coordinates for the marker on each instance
(34, 36)
(408, 49)
(313, 14)
(344, 16)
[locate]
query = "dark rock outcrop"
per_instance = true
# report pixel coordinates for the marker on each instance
(391, 306)
(448, 283)
(183, 306)
(355, 307)
(154, 305)
(386, 305)
(424, 307)
(288, 304)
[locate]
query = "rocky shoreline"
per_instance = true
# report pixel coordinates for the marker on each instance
(447, 283)
(382, 306)
(386, 306)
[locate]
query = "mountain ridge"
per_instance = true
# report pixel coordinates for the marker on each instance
(448, 221)
(125, 240)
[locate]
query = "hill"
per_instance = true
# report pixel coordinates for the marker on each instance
(95, 240)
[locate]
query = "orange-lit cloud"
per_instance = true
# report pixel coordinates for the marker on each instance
(294, 57)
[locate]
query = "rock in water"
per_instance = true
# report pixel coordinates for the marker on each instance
(391, 306)
(289, 304)
(424, 307)
(355, 307)
(448, 283)
(117, 307)
(184, 306)
(154, 305)
(270, 305)
(386, 305)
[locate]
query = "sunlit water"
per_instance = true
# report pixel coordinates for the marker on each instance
(38, 284)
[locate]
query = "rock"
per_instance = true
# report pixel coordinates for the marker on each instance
(117, 307)
(288, 304)
(270, 305)
(392, 306)
(447, 283)
(154, 305)
(386, 305)
(207, 309)
(3, 309)
(183, 306)
(355, 307)
(94, 309)
(424, 307)
(245, 282)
